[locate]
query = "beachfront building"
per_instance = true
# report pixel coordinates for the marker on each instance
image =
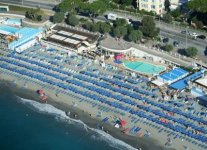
(199, 89)
(105, 51)
(19, 39)
(170, 77)
(184, 83)
(75, 39)
(156, 6)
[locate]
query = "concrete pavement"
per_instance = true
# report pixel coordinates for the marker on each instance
(38, 3)
(111, 43)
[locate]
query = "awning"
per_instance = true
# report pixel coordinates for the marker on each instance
(158, 82)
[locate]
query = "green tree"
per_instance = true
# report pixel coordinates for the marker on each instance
(126, 2)
(104, 27)
(135, 36)
(87, 26)
(120, 22)
(34, 14)
(72, 20)
(176, 13)
(167, 5)
(58, 17)
(97, 7)
(148, 27)
(199, 24)
(119, 31)
(69, 5)
(191, 51)
(95, 27)
(198, 5)
(116, 1)
(167, 18)
(129, 28)
(168, 47)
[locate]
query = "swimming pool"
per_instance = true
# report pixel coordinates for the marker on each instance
(144, 68)
(8, 29)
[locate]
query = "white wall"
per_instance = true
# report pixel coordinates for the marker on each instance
(141, 54)
(25, 46)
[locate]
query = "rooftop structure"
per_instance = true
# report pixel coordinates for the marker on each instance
(199, 89)
(182, 84)
(173, 75)
(20, 39)
(202, 82)
(73, 38)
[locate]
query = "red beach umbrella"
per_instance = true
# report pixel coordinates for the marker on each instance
(40, 92)
(123, 123)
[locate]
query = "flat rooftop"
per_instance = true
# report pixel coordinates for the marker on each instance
(183, 83)
(174, 74)
(70, 37)
(202, 81)
(80, 34)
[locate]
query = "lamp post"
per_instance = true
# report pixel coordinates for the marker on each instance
(186, 38)
(159, 21)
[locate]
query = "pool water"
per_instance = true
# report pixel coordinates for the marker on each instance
(8, 29)
(144, 68)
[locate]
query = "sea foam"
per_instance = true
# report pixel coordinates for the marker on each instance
(61, 116)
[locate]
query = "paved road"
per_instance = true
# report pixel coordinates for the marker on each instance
(42, 4)
(198, 43)
(166, 30)
(173, 32)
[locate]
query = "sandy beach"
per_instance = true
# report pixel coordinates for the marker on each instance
(92, 111)
(85, 112)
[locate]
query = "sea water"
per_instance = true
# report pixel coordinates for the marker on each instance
(28, 125)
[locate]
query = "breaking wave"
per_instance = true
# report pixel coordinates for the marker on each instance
(61, 116)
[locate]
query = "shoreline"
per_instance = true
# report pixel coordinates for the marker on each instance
(146, 143)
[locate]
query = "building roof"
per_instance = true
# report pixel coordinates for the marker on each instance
(158, 82)
(202, 81)
(174, 74)
(181, 84)
(25, 33)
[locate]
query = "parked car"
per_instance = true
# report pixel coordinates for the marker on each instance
(165, 40)
(203, 37)
(184, 32)
(194, 35)
(176, 43)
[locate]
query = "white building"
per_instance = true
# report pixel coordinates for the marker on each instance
(176, 3)
(199, 89)
(156, 6)
(23, 37)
